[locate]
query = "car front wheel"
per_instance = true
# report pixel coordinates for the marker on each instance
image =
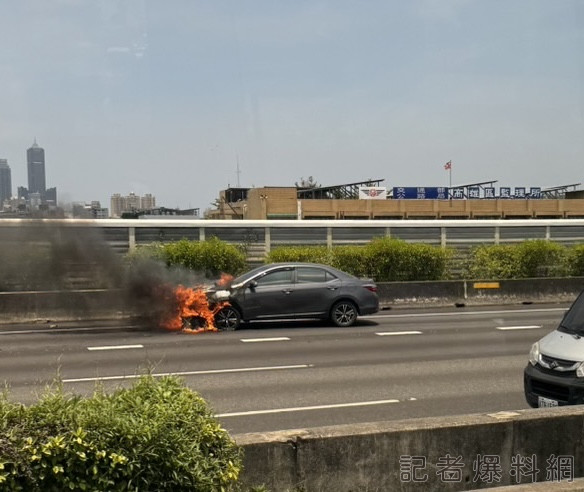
(344, 313)
(228, 319)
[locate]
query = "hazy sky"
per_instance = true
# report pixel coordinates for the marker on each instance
(165, 97)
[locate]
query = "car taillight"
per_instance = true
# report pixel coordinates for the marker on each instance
(372, 288)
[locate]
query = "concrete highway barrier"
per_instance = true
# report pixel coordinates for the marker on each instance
(474, 292)
(87, 304)
(64, 305)
(440, 454)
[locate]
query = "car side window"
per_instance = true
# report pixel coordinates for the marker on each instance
(277, 277)
(312, 275)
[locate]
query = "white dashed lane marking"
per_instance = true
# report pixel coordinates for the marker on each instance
(390, 333)
(188, 373)
(116, 347)
(511, 328)
(273, 339)
(303, 409)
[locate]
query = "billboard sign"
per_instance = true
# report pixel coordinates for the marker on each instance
(505, 192)
(372, 193)
(520, 192)
(534, 193)
(467, 192)
(474, 192)
(457, 193)
(490, 192)
(420, 193)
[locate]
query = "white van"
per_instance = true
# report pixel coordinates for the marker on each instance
(555, 373)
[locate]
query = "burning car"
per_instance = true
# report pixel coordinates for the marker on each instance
(290, 291)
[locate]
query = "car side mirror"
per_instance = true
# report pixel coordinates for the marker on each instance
(253, 284)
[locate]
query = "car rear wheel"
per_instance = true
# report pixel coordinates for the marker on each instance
(228, 319)
(344, 313)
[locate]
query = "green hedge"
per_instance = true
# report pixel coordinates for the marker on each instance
(576, 261)
(383, 259)
(395, 260)
(211, 257)
(312, 254)
(156, 436)
(528, 259)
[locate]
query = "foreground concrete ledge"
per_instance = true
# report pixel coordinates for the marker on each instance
(575, 486)
(371, 456)
(426, 423)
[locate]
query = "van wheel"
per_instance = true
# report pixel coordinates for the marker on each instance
(344, 313)
(228, 319)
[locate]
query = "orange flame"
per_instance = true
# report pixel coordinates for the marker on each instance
(190, 303)
(225, 280)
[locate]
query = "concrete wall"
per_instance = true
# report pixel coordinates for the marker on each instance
(472, 292)
(63, 305)
(366, 457)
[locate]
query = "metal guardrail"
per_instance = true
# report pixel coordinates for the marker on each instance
(263, 235)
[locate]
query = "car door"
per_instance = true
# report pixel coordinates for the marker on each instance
(270, 295)
(315, 290)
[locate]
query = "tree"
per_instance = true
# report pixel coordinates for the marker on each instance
(310, 182)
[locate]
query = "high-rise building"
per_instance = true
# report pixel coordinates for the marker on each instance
(23, 192)
(131, 203)
(35, 159)
(148, 202)
(116, 205)
(51, 196)
(5, 182)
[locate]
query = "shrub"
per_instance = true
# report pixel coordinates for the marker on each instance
(152, 251)
(540, 258)
(537, 258)
(396, 260)
(576, 261)
(351, 259)
(383, 259)
(312, 254)
(211, 257)
(156, 436)
(493, 261)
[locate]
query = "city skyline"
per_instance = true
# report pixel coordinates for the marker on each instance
(182, 102)
(5, 181)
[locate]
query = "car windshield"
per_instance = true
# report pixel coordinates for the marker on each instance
(573, 321)
(247, 275)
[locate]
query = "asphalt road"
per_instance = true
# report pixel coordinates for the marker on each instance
(398, 364)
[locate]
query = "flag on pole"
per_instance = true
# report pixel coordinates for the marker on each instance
(448, 166)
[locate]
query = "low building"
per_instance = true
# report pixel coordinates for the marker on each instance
(322, 203)
(92, 210)
(131, 203)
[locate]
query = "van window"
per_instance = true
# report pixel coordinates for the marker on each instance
(573, 322)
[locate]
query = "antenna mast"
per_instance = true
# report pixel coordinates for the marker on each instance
(238, 172)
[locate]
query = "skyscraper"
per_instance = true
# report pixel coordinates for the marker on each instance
(35, 158)
(148, 202)
(5, 182)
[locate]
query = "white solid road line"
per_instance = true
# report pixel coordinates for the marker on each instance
(511, 328)
(389, 333)
(273, 339)
(463, 313)
(116, 347)
(189, 373)
(67, 330)
(302, 409)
